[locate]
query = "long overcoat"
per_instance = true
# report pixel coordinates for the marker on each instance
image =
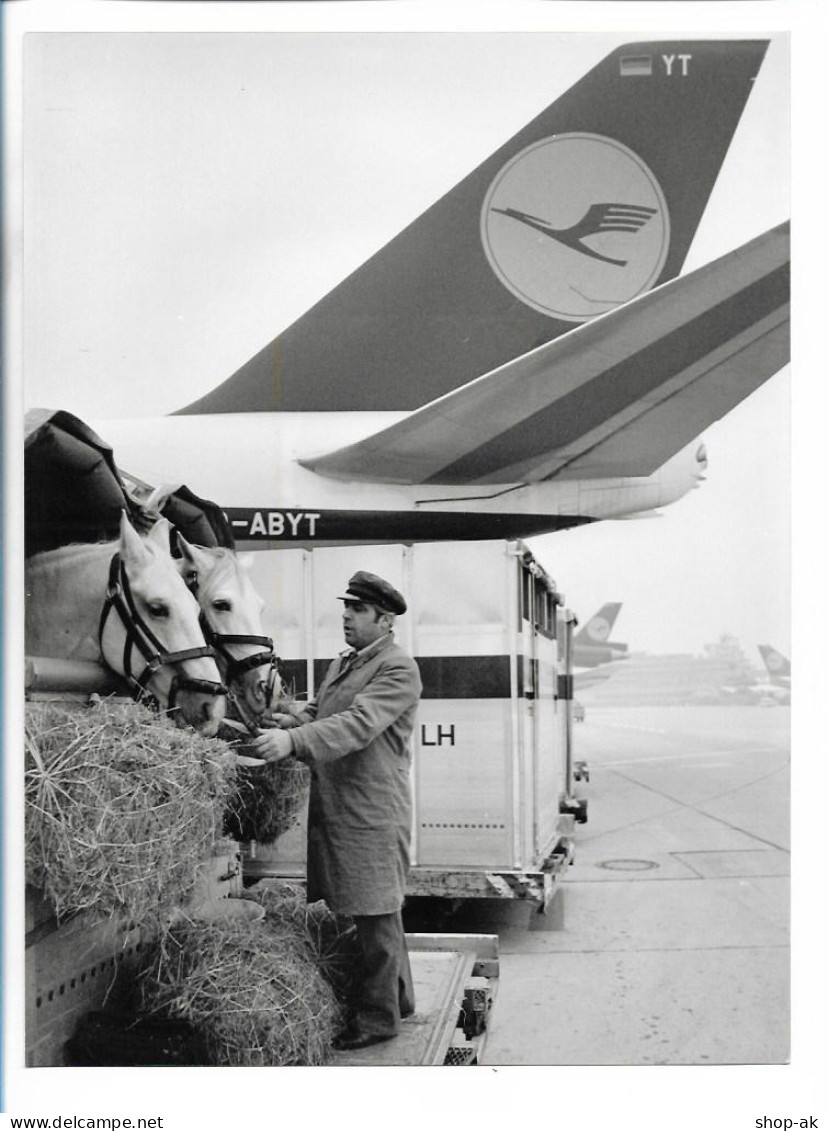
(356, 737)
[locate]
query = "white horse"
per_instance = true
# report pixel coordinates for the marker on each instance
(232, 622)
(126, 604)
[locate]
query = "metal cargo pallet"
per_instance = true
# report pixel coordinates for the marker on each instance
(536, 883)
(455, 983)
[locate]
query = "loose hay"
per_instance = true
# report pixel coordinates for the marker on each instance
(253, 991)
(330, 939)
(121, 808)
(268, 801)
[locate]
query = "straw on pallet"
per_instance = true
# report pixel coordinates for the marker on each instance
(252, 990)
(121, 808)
(330, 939)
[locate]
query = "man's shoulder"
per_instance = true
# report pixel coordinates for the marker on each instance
(393, 655)
(397, 658)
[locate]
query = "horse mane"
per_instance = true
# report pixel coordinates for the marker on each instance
(225, 563)
(70, 552)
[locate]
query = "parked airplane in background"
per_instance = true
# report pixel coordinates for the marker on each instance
(767, 693)
(778, 666)
(591, 645)
(759, 695)
(523, 357)
(591, 648)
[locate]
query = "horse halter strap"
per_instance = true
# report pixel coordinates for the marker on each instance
(220, 642)
(139, 635)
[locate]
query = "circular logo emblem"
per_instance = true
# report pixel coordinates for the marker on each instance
(599, 628)
(575, 225)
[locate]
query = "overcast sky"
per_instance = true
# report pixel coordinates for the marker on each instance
(188, 196)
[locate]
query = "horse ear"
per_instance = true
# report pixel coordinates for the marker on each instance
(160, 535)
(133, 550)
(194, 556)
(245, 561)
(185, 548)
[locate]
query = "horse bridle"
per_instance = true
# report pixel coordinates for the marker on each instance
(140, 636)
(220, 642)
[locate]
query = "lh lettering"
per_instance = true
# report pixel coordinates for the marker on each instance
(436, 734)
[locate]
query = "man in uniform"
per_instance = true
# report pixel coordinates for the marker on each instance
(355, 737)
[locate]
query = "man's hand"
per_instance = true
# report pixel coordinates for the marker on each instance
(282, 721)
(272, 745)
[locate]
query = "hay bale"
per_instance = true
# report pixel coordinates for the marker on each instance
(252, 990)
(121, 808)
(330, 939)
(268, 801)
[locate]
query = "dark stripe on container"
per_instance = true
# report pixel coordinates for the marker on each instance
(294, 675)
(465, 677)
(320, 669)
(613, 390)
(444, 677)
(452, 677)
(566, 687)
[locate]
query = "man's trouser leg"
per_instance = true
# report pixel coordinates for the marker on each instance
(385, 991)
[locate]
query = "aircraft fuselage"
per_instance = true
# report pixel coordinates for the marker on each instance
(249, 464)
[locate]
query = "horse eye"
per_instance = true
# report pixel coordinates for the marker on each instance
(221, 606)
(158, 609)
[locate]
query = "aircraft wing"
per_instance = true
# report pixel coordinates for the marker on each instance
(588, 678)
(618, 396)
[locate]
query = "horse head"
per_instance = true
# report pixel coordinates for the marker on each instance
(156, 640)
(231, 612)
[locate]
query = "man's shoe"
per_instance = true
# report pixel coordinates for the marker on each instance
(349, 1039)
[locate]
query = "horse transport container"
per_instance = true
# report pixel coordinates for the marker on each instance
(492, 744)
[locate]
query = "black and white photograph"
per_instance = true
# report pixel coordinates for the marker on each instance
(399, 609)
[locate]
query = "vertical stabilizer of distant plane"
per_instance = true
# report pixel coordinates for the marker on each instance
(777, 665)
(592, 646)
(592, 204)
(598, 628)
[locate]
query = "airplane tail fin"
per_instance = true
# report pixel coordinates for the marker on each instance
(598, 628)
(778, 666)
(591, 645)
(591, 204)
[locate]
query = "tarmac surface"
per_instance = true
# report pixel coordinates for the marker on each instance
(668, 939)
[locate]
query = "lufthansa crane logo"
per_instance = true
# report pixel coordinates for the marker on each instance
(575, 225)
(599, 628)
